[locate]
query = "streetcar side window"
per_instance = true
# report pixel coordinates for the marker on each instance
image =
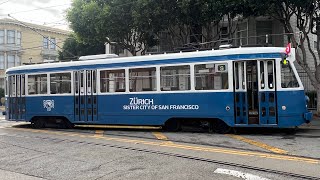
(23, 82)
(142, 79)
(6, 86)
(270, 68)
(112, 81)
(60, 83)
(262, 83)
(12, 83)
(18, 85)
(211, 76)
(288, 78)
(175, 78)
(37, 84)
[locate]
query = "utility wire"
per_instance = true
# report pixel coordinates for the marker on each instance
(29, 42)
(5, 2)
(33, 47)
(39, 8)
(33, 29)
(231, 39)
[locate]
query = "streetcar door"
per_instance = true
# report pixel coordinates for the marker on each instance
(91, 95)
(252, 92)
(21, 99)
(16, 100)
(12, 103)
(267, 92)
(85, 95)
(240, 92)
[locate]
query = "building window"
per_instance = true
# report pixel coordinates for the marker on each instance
(242, 34)
(48, 58)
(224, 33)
(264, 28)
(11, 61)
(11, 36)
(1, 36)
(2, 66)
(60, 83)
(18, 62)
(175, 78)
(112, 81)
(18, 37)
(196, 34)
(53, 43)
(142, 79)
(45, 43)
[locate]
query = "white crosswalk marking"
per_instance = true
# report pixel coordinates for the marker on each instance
(239, 174)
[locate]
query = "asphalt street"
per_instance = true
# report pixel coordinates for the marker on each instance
(91, 153)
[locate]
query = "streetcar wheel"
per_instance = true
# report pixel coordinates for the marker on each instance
(220, 127)
(173, 125)
(37, 124)
(68, 124)
(210, 127)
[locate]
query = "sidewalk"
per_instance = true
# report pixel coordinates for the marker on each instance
(314, 124)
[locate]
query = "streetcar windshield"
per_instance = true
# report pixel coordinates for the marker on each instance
(288, 78)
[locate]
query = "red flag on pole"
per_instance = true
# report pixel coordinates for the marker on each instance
(288, 49)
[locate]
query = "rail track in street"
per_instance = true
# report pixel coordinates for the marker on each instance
(58, 140)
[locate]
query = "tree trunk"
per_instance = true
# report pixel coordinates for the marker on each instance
(318, 100)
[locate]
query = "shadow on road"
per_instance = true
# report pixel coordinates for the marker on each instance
(288, 133)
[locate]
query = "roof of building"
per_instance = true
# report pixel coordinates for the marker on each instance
(35, 26)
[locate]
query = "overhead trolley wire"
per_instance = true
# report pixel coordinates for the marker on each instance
(39, 8)
(5, 2)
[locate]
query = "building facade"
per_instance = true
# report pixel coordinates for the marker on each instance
(24, 43)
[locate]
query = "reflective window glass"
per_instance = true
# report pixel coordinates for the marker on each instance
(142, 79)
(175, 78)
(211, 76)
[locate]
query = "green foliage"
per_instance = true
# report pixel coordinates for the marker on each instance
(182, 19)
(97, 22)
(137, 24)
(72, 49)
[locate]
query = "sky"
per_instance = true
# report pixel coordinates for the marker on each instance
(50, 13)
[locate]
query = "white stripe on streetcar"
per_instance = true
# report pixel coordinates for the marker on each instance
(239, 174)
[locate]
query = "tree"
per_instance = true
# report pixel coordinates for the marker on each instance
(99, 21)
(134, 24)
(307, 21)
(73, 49)
(189, 22)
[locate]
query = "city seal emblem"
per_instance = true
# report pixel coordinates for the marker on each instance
(48, 104)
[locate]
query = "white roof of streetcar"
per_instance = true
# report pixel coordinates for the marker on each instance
(110, 59)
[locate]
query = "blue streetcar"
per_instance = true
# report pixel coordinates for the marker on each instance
(238, 87)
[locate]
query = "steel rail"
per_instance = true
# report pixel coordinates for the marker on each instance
(177, 155)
